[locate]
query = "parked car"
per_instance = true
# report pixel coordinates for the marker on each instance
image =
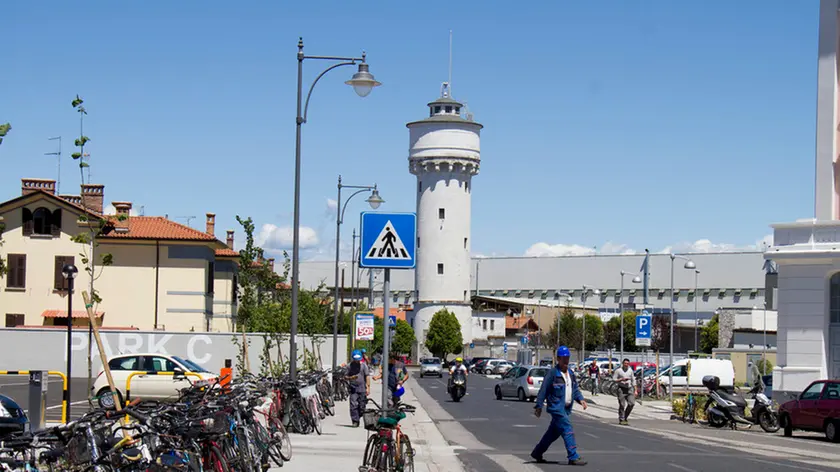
(502, 367)
(431, 366)
(522, 382)
(816, 409)
(489, 367)
(12, 417)
(478, 367)
(547, 362)
(151, 387)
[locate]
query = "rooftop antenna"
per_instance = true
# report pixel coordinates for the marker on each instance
(450, 63)
(58, 154)
(188, 218)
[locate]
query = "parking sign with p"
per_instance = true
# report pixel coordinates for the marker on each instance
(644, 329)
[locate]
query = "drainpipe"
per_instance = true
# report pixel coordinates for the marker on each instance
(157, 280)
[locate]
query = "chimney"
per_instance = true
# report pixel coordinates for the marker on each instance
(230, 238)
(93, 197)
(211, 224)
(74, 199)
(123, 208)
(28, 186)
(271, 263)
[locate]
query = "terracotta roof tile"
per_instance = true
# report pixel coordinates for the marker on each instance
(154, 227)
(519, 322)
(398, 312)
(63, 314)
(226, 252)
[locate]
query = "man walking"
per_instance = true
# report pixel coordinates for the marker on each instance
(560, 389)
(594, 371)
(359, 377)
(626, 391)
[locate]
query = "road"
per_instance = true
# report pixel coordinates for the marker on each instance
(17, 387)
(499, 436)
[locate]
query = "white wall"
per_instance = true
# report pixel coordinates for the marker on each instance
(495, 322)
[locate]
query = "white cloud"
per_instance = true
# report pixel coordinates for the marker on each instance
(110, 210)
(278, 238)
(332, 206)
(543, 249)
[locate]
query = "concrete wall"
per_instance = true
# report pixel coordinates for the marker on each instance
(494, 322)
(45, 349)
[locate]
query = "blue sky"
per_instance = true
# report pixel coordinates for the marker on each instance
(618, 125)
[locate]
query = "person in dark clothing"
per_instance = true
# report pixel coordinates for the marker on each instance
(593, 374)
(359, 377)
(397, 375)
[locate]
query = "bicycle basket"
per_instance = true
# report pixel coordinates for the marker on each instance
(371, 419)
(309, 391)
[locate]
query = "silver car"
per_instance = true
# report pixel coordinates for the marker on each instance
(431, 366)
(522, 382)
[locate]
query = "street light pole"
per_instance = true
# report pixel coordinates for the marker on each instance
(636, 279)
(688, 265)
(374, 201)
(69, 272)
(583, 297)
(696, 274)
(363, 82)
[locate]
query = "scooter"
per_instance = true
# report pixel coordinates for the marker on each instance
(457, 385)
(724, 408)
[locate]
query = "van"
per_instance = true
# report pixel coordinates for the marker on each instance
(685, 376)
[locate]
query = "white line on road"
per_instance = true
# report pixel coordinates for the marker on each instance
(511, 462)
(686, 469)
(524, 426)
(590, 434)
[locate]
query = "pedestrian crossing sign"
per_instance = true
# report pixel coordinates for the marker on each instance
(388, 240)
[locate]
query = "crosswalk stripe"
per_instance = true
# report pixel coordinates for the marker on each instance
(512, 463)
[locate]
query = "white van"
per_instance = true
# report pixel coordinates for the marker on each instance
(693, 376)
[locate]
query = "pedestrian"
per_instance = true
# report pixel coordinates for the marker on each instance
(593, 374)
(626, 393)
(359, 377)
(560, 390)
(397, 375)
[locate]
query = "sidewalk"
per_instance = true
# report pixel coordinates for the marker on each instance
(605, 406)
(340, 447)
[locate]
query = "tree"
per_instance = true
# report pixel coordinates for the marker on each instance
(612, 333)
(259, 310)
(444, 335)
(660, 339)
(569, 328)
(4, 129)
(709, 335)
(765, 367)
(594, 332)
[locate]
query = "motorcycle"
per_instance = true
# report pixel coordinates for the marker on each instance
(724, 408)
(457, 385)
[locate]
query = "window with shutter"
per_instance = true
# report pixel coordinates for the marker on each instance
(211, 278)
(56, 223)
(27, 222)
(16, 278)
(60, 283)
(42, 221)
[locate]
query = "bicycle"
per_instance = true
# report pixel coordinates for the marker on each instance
(689, 409)
(388, 449)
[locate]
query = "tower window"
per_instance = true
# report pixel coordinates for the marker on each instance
(466, 186)
(440, 269)
(492, 325)
(418, 241)
(458, 110)
(419, 186)
(465, 243)
(441, 213)
(484, 325)
(437, 109)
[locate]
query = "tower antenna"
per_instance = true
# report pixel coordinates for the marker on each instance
(450, 63)
(57, 154)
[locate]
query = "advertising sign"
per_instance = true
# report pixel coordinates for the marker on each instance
(364, 326)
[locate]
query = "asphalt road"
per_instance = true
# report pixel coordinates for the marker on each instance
(499, 436)
(17, 387)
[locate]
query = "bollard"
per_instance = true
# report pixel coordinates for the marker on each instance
(38, 385)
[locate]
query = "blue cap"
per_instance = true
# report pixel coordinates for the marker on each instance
(563, 351)
(400, 391)
(357, 355)
(364, 351)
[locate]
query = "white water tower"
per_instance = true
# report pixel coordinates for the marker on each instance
(444, 154)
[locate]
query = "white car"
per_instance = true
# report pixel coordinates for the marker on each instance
(148, 387)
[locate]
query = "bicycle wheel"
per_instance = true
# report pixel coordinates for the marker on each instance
(371, 450)
(270, 447)
(214, 460)
(406, 460)
(280, 438)
(314, 416)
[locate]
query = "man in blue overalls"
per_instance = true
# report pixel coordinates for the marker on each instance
(560, 389)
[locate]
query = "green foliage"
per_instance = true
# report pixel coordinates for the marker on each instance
(765, 367)
(444, 335)
(569, 327)
(678, 406)
(403, 338)
(660, 336)
(612, 333)
(709, 335)
(594, 332)
(4, 129)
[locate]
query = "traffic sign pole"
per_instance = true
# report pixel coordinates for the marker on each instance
(386, 337)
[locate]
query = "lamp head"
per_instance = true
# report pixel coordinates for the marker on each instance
(69, 271)
(363, 81)
(689, 264)
(637, 280)
(374, 200)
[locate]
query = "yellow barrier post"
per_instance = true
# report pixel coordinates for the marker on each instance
(65, 398)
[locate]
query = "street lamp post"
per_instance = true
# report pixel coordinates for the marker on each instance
(583, 297)
(374, 200)
(689, 264)
(569, 299)
(637, 279)
(764, 356)
(69, 272)
(362, 82)
(696, 274)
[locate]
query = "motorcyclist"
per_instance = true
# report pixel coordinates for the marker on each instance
(458, 367)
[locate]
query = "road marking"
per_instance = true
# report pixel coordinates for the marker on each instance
(686, 469)
(524, 426)
(511, 462)
(590, 434)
